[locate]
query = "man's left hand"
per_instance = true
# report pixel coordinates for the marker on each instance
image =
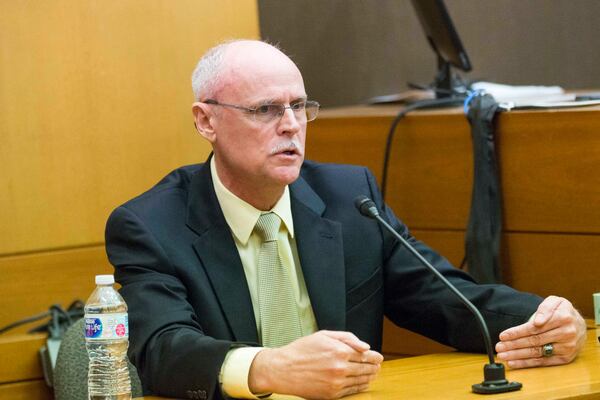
(555, 323)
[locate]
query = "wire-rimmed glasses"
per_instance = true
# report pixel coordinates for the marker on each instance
(304, 110)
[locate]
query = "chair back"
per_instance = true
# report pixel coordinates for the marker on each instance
(71, 371)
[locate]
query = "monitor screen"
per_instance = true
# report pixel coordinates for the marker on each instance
(440, 32)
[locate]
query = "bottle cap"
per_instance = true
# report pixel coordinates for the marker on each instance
(105, 279)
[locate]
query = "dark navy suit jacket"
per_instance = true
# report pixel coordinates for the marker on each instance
(189, 302)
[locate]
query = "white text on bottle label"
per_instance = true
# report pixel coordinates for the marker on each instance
(106, 326)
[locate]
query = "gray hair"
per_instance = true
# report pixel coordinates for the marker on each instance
(208, 72)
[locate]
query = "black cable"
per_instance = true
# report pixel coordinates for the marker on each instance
(24, 321)
(55, 323)
(59, 319)
(430, 103)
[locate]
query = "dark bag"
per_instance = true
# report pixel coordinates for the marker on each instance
(482, 239)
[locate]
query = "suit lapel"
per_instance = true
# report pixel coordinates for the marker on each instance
(320, 249)
(219, 256)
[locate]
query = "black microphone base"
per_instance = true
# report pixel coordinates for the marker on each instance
(495, 381)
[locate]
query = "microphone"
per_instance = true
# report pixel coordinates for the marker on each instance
(494, 376)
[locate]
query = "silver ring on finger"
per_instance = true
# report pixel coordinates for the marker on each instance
(547, 350)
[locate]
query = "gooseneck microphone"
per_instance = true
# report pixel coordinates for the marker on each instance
(494, 375)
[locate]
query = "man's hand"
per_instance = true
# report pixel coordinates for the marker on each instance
(555, 322)
(324, 365)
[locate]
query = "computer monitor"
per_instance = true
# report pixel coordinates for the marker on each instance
(444, 41)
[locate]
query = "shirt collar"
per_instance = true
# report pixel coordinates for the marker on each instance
(241, 216)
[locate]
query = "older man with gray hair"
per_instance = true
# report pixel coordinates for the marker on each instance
(253, 273)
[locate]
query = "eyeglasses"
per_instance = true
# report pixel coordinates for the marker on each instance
(304, 110)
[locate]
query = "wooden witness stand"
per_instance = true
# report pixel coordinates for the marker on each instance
(450, 376)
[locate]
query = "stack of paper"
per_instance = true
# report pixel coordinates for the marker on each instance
(526, 96)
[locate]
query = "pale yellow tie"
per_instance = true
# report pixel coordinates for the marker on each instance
(279, 317)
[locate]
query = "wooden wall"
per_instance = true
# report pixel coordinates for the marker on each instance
(95, 103)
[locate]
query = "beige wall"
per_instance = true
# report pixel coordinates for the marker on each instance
(95, 107)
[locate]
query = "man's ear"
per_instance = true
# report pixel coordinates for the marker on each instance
(202, 120)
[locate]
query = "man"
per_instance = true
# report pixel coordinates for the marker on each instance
(192, 252)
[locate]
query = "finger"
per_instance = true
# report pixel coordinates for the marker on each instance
(519, 331)
(564, 316)
(565, 349)
(531, 341)
(520, 354)
(537, 362)
(362, 369)
(361, 373)
(532, 352)
(358, 382)
(370, 356)
(546, 310)
(349, 339)
(544, 319)
(353, 390)
(527, 329)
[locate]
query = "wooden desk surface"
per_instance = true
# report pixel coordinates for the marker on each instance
(450, 376)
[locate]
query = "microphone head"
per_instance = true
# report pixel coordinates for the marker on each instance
(366, 206)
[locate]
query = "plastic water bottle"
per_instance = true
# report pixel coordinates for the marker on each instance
(106, 340)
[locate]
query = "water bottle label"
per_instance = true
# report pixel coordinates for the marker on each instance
(106, 326)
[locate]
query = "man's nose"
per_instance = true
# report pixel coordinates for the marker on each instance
(288, 122)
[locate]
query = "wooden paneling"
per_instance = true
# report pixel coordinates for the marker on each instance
(29, 390)
(347, 141)
(549, 164)
(31, 283)
(554, 264)
(19, 358)
(431, 154)
(95, 106)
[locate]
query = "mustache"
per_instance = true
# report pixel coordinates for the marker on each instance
(291, 145)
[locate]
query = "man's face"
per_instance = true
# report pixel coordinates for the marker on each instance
(251, 154)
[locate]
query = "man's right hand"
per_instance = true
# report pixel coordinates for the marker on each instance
(324, 365)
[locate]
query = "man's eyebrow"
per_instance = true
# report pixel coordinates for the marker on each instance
(275, 101)
(263, 102)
